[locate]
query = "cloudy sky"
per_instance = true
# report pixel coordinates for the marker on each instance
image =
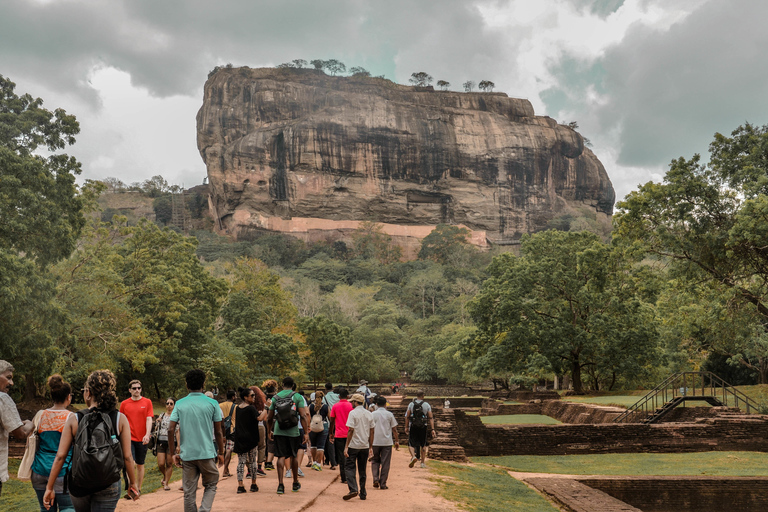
(647, 80)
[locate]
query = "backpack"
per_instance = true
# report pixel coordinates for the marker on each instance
(287, 418)
(227, 426)
(418, 418)
(317, 424)
(97, 455)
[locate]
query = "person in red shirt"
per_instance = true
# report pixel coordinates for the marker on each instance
(338, 429)
(139, 412)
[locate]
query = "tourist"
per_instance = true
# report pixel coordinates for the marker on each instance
(337, 430)
(318, 412)
(100, 399)
(227, 409)
(384, 436)
(164, 456)
(259, 402)
(330, 399)
(50, 425)
(246, 441)
(10, 422)
(364, 390)
(418, 423)
(361, 428)
(270, 388)
(285, 431)
(304, 445)
(196, 414)
(139, 412)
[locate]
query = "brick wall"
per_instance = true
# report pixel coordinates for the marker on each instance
(567, 412)
(479, 439)
(687, 494)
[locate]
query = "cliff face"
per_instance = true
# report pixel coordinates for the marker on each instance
(312, 155)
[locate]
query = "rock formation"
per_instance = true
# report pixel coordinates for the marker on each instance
(300, 152)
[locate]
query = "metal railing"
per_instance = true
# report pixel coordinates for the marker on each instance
(689, 386)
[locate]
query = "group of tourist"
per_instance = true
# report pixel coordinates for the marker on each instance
(81, 458)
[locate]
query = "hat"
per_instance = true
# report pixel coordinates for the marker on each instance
(357, 397)
(363, 382)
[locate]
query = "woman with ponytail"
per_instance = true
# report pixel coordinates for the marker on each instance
(50, 425)
(100, 397)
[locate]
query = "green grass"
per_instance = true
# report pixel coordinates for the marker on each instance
(18, 495)
(512, 402)
(519, 419)
(639, 464)
(485, 489)
(612, 400)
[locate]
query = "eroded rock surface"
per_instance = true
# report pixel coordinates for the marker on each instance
(312, 155)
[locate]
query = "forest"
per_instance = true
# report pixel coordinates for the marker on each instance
(680, 285)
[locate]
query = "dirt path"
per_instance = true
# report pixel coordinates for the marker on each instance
(409, 490)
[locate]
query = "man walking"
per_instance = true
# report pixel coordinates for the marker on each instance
(289, 409)
(139, 412)
(228, 415)
(359, 442)
(330, 399)
(337, 430)
(384, 434)
(418, 423)
(196, 415)
(10, 422)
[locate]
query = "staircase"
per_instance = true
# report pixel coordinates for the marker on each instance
(680, 389)
(446, 445)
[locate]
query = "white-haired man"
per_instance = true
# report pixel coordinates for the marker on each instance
(10, 422)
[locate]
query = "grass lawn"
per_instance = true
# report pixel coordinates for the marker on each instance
(18, 495)
(639, 464)
(486, 489)
(612, 400)
(519, 419)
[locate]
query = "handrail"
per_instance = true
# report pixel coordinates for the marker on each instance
(670, 389)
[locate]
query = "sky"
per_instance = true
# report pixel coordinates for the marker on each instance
(647, 81)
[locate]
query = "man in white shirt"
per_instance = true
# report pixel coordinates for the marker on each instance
(384, 432)
(359, 442)
(10, 422)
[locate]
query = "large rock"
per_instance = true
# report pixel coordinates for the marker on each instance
(297, 151)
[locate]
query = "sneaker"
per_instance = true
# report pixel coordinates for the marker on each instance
(375, 484)
(241, 490)
(296, 486)
(423, 465)
(317, 467)
(413, 462)
(349, 496)
(288, 474)
(254, 488)
(269, 466)
(280, 489)
(260, 472)
(301, 473)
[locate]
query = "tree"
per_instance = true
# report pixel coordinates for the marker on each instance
(370, 241)
(295, 63)
(328, 347)
(443, 242)
(359, 71)
(163, 207)
(468, 85)
(318, 64)
(570, 298)
(334, 67)
(486, 85)
(114, 185)
(442, 84)
(709, 222)
(420, 79)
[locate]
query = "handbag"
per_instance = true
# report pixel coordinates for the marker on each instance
(25, 468)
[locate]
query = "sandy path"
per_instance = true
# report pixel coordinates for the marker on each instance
(409, 490)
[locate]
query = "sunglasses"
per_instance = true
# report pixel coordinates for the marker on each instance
(168, 403)
(133, 389)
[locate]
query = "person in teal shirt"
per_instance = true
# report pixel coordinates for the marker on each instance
(197, 415)
(288, 441)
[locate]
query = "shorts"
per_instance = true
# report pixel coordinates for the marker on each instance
(317, 439)
(138, 452)
(287, 446)
(417, 436)
(162, 447)
(230, 445)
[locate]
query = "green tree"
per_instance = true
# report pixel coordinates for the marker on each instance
(420, 79)
(163, 208)
(486, 85)
(442, 84)
(444, 242)
(570, 298)
(328, 348)
(370, 242)
(359, 71)
(710, 223)
(334, 67)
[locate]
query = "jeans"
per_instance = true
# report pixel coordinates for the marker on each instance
(380, 464)
(357, 458)
(61, 503)
(102, 501)
(339, 444)
(191, 472)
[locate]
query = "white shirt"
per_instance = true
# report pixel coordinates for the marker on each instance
(362, 421)
(9, 421)
(385, 422)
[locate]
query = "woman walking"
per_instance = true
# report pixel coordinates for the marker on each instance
(49, 429)
(100, 397)
(318, 437)
(165, 459)
(246, 438)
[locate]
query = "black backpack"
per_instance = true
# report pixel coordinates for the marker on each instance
(418, 418)
(287, 418)
(97, 455)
